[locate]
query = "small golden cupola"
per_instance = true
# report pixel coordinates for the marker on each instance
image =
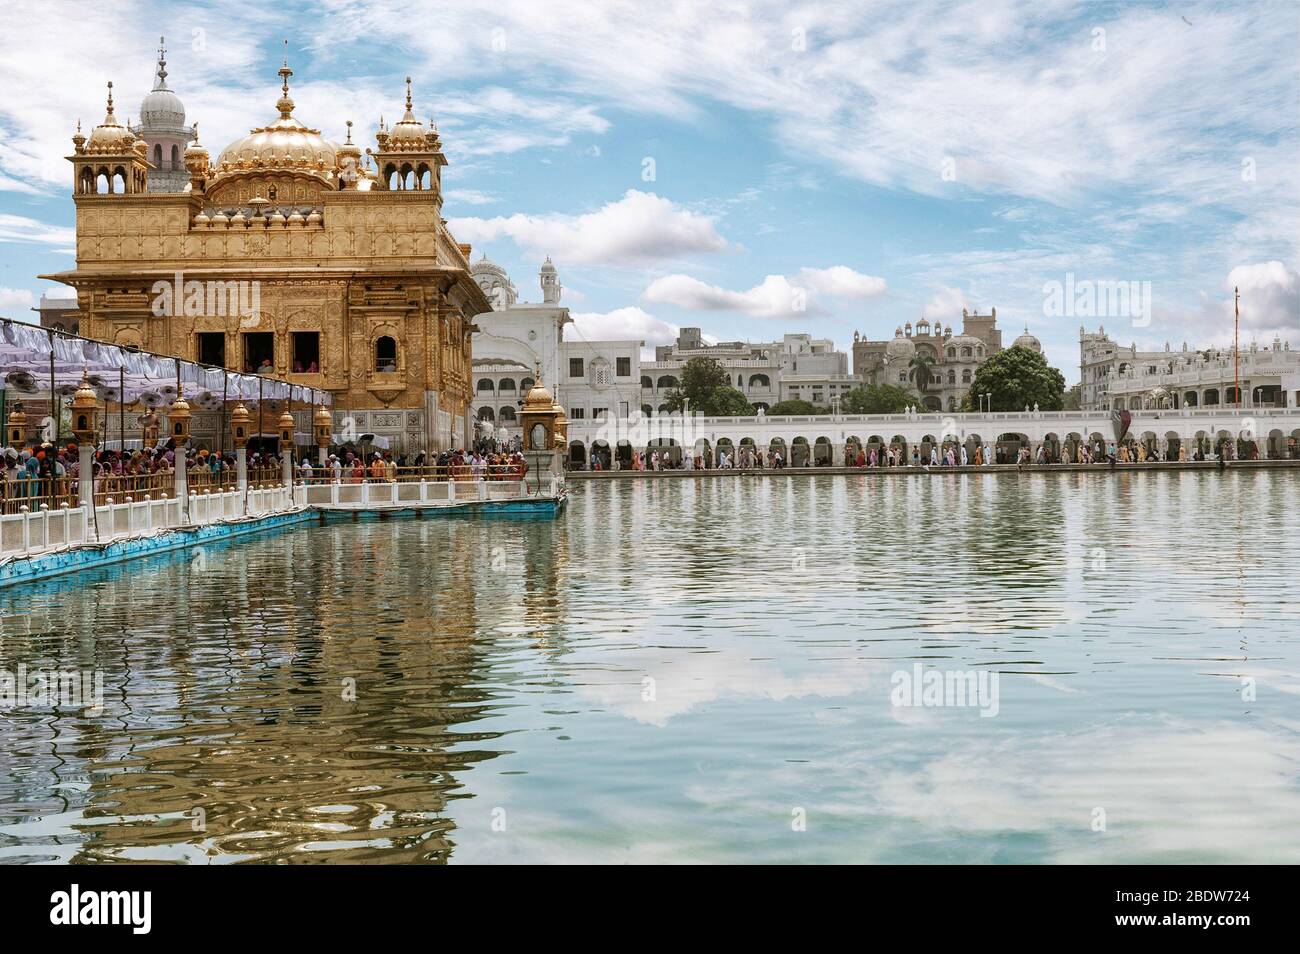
(16, 426)
(539, 418)
(323, 422)
(410, 155)
(84, 403)
(196, 163)
(178, 420)
(286, 427)
(110, 161)
(240, 422)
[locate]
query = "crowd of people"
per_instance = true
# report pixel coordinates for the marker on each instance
(950, 454)
(49, 474)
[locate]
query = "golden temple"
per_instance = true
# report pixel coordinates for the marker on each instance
(287, 255)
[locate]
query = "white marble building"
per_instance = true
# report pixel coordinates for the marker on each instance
(798, 366)
(1117, 377)
(590, 379)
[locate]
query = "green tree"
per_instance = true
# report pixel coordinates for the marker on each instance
(877, 399)
(1072, 397)
(1018, 378)
(706, 388)
(920, 365)
(795, 408)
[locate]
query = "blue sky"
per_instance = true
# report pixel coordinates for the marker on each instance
(819, 167)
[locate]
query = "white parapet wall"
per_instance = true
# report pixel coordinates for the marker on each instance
(38, 532)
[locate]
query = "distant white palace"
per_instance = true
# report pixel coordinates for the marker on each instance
(1112, 376)
(798, 367)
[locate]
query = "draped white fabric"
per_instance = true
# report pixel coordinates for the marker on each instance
(25, 362)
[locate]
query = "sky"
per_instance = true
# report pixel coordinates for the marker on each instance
(756, 168)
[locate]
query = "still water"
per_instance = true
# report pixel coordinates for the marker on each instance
(682, 670)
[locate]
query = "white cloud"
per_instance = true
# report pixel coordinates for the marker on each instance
(842, 281)
(469, 196)
(20, 228)
(774, 298)
(638, 229)
(945, 303)
(1270, 295)
(15, 298)
(621, 324)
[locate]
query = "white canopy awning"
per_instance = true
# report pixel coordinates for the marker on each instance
(31, 356)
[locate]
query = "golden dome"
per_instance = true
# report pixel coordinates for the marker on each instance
(110, 138)
(285, 145)
(538, 398)
(408, 134)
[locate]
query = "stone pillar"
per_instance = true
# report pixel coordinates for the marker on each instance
(86, 487)
(241, 474)
(286, 468)
(182, 484)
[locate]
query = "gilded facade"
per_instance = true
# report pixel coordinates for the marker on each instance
(288, 255)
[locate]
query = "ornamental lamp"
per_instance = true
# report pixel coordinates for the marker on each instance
(83, 412)
(286, 429)
(16, 427)
(240, 420)
(178, 420)
(323, 422)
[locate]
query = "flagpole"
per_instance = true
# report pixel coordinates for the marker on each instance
(1236, 347)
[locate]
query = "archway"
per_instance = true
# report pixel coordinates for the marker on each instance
(799, 452)
(823, 452)
(898, 444)
(667, 448)
(852, 447)
(776, 447)
(577, 456)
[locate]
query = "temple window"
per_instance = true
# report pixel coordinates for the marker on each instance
(259, 352)
(306, 352)
(385, 354)
(211, 348)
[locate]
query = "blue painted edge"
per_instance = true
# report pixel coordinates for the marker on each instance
(92, 556)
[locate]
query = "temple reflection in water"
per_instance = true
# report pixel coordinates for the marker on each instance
(283, 695)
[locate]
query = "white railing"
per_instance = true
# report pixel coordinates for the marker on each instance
(33, 530)
(39, 529)
(415, 493)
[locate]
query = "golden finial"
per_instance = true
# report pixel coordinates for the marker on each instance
(349, 141)
(285, 104)
(110, 97)
(408, 94)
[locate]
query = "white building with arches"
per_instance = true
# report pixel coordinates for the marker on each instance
(592, 380)
(1114, 376)
(814, 439)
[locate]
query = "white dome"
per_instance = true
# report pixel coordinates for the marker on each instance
(1027, 341)
(162, 107)
(900, 347)
(162, 110)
